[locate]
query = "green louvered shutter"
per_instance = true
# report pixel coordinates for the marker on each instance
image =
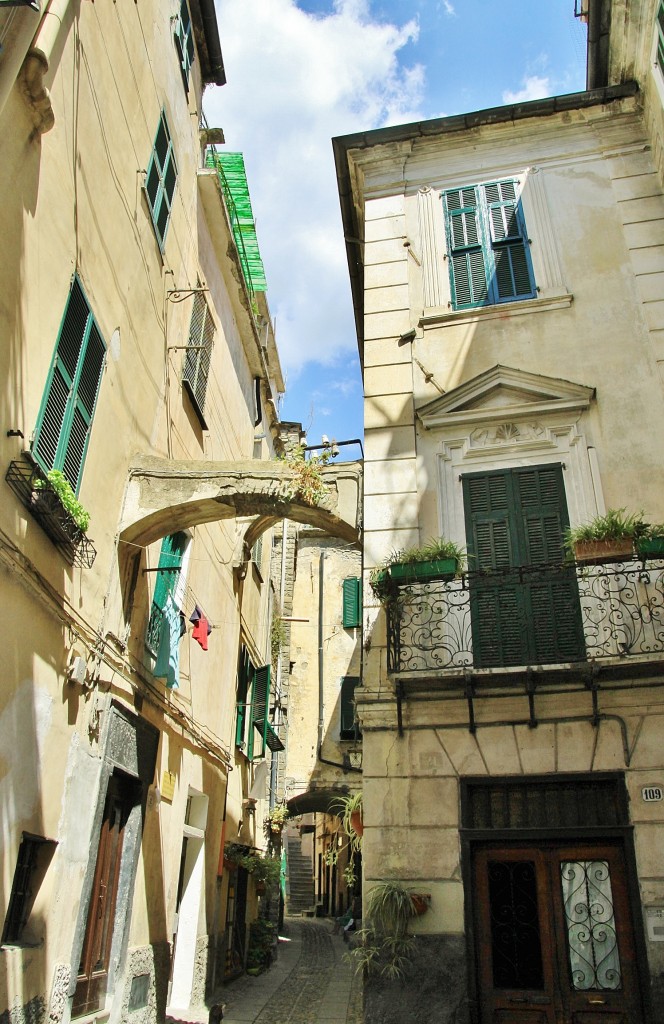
(660, 36)
(260, 709)
(245, 673)
(168, 576)
(196, 370)
(513, 277)
(65, 418)
(352, 602)
(496, 602)
(348, 728)
(467, 257)
(184, 42)
(552, 597)
(516, 518)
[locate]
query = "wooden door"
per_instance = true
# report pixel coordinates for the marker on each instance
(554, 936)
(95, 957)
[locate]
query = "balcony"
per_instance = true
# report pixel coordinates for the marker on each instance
(37, 495)
(552, 619)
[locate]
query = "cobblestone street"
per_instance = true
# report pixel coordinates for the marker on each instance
(309, 983)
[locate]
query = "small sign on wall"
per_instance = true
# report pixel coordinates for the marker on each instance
(655, 923)
(652, 793)
(167, 785)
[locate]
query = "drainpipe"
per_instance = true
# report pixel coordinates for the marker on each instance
(29, 63)
(15, 39)
(274, 764)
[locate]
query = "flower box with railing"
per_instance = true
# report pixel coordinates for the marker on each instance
(38, 495)
(534, 615)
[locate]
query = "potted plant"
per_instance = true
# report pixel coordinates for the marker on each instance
(386, 947)
(55, 490)
(349, 809)
(275, 820)
(651, 544)
(439, 559)
(612, 535)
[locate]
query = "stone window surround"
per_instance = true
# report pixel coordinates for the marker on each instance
(551, 440)
(547, 269)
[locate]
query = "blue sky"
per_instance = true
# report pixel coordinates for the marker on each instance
(302, 72)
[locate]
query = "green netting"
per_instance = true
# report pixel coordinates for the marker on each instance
(230, 167)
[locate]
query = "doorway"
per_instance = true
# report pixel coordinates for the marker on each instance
(554, 934)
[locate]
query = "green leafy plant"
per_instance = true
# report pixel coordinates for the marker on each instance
(308, 484)
(261, 943)
(385, 948)
(58, 483)
(262, 869)
(615, 524)
(435, 550)
(278, 636)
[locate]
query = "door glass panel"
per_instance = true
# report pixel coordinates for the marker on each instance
(515, 928)
(590, 923)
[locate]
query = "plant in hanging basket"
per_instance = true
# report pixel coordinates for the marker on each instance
(440, 559)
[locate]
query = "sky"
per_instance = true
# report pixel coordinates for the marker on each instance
(300, 72)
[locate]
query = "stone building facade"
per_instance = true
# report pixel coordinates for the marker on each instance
(507, 272)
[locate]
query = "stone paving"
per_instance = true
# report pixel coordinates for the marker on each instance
(310, 983)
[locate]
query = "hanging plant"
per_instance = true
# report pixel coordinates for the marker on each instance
(57, 483)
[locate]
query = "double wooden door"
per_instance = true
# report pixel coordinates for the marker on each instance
(554, 936)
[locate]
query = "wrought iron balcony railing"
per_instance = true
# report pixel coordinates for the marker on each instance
(528, 616)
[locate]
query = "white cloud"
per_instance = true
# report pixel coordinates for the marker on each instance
(535, 87)
(449, 8)
(294, 81)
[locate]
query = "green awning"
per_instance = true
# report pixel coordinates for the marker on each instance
(230, 167)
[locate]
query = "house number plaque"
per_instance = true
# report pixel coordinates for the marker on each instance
(652, 793)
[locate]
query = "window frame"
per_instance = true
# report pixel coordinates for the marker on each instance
(32, 861)
(252, 706)
(346, 703)
(74, 381)
(183, 35)
(497, 252)
(163, 168)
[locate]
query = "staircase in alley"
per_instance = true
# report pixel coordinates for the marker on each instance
(300, 884)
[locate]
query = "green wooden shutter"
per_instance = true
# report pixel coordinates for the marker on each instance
(168, 573)
(245, 673)
(260, 709)
(352, 602)
(552, 595)
(348, 728)
(65, 418)
(660, 37)
(465, 246)
(184, 42)
(512, 278)
(516, 519)
(496, 602)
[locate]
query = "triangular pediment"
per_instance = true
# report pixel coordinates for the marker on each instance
(505, 393)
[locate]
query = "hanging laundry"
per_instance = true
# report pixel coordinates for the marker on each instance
(183, 624)
(202, 627)
(168, 653)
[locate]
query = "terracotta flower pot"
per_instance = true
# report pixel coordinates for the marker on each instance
(421, 902)
(598, 550)
(356, 823)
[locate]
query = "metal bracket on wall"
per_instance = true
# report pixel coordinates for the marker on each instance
(399, 689)
(469, 691)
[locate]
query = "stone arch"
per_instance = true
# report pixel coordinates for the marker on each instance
(163, 496)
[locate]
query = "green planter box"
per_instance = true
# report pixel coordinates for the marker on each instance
(653, 547)
(413, 572)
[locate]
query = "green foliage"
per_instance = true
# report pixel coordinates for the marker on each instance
(387, 957)
(57, 482)
(616, 524)
(278, 636)
(275, 819)
(390, 907)
(262, 869)
(261, 941)
(308, 485)
(437, 549)
(345, 807)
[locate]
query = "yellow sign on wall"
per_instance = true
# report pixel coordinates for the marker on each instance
(167, 785)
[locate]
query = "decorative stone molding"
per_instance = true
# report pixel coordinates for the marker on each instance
(38, 98)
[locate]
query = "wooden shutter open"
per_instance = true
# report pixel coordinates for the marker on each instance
(352, 602)
(260, 709)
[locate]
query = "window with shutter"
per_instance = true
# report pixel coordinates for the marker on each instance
(352, 602)
(525, 609)
(260, 710)
(196, 369)
(487, 245)
(184, 42)
(349, 729)
(244, 677)
(160, 180)
(168, 576)
(65, 418)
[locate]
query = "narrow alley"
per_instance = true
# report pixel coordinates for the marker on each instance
(309, 982)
